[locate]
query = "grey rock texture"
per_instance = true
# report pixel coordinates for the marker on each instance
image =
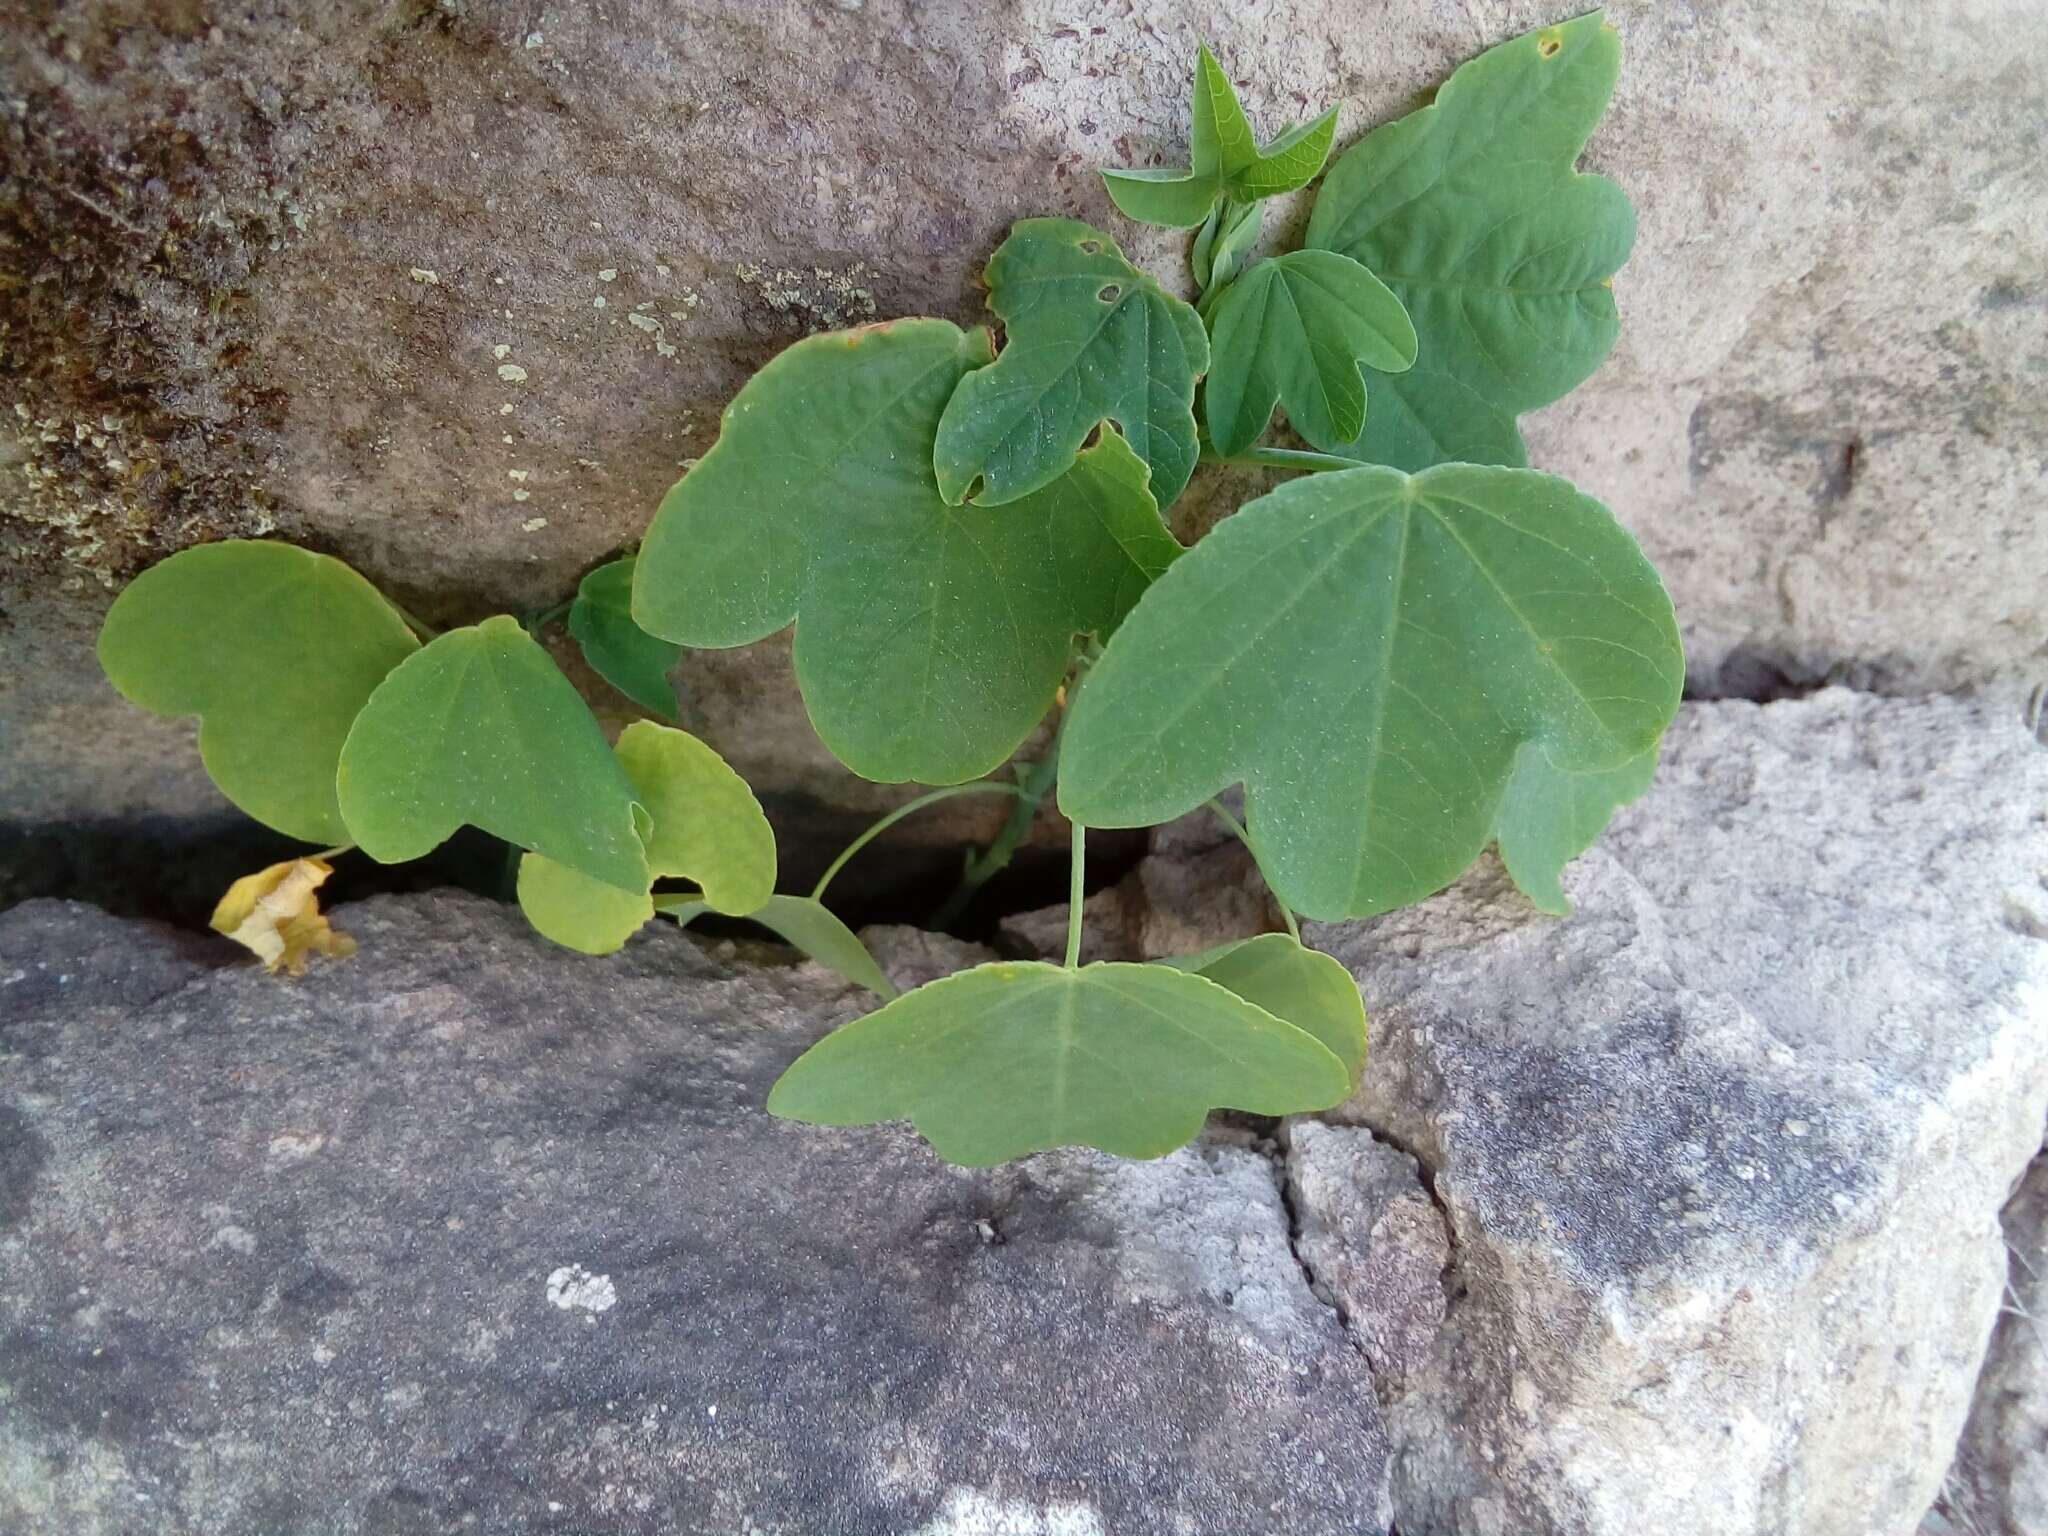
(1723, 1153)
(1703, 1182)
(466, 1235)
(337, 269)
(1999, 1483)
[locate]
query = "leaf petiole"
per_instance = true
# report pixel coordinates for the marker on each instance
(1076, 895)
(534, 623)
(951, 791)
(1279, 458)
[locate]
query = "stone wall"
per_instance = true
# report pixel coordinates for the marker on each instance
(455, 290)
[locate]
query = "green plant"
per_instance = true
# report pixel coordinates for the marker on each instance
(1418, 648)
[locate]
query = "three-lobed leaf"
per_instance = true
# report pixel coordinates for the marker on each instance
(1017, 1057)
(1368, 652)
(618, 650)
(276, 649)
(703, 824)
(480, 727)
(1089, 338)
(1227, 163)
(1301, 330)
(1302, 986)
(930, 638)
(1471, 211)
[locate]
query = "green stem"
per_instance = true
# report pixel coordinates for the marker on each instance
(995, 858)
(1077, 900)
(328, 855)
(1279, 458)
(952, 791)
(534, 623)
(1223, 813)
(419, 627)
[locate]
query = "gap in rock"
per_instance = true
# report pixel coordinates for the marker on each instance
(174, 869)
(1766, 677)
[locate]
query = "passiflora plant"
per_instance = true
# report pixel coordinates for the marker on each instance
(1415, 649)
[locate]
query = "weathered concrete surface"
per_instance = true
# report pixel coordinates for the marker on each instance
(1719, 1158)
(468, 1234)
(335, 270)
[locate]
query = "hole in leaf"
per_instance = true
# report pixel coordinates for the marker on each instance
(1092, 247)
(1109, 293)
(1550, 47)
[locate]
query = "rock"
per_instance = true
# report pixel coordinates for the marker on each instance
(1998, 1485)
(467, 1233)
(1722, 1154)
(335, 272)
(1375, 1243)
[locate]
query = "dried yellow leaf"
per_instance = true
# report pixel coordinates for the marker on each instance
(276, 914)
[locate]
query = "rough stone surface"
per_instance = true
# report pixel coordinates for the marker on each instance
(337, 270)
(1375, 1243)
(1723, 1153)
(1999, 1483)
(465, 1235)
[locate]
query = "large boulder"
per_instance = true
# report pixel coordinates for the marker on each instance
(456, 289)
(469, 1233)
(1682, 1213)
(1722, 1154)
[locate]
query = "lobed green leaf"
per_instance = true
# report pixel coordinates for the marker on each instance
(1090, 338)
(1470, 210)
(1301, 330)
(618, 650)
(931, 639)
(276, 650)
(1368, 652)
(1014, 1058)
(481, 727)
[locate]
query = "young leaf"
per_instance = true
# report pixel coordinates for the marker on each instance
(1227, 237)
(1548, 817)
(1470, 211)
(806, 925)
(1173, 199)
(1090, 338)
(1302, 986)
(1367, 652)
(930, 639)
(1290, 161)
(618, 650)
(276, 649)
(275, 914)
(1301, 329)
(704, 825)
(1223, 144)
(1013, 1058)
(480, 727)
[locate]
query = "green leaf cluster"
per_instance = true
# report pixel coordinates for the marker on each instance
(1419, 648)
